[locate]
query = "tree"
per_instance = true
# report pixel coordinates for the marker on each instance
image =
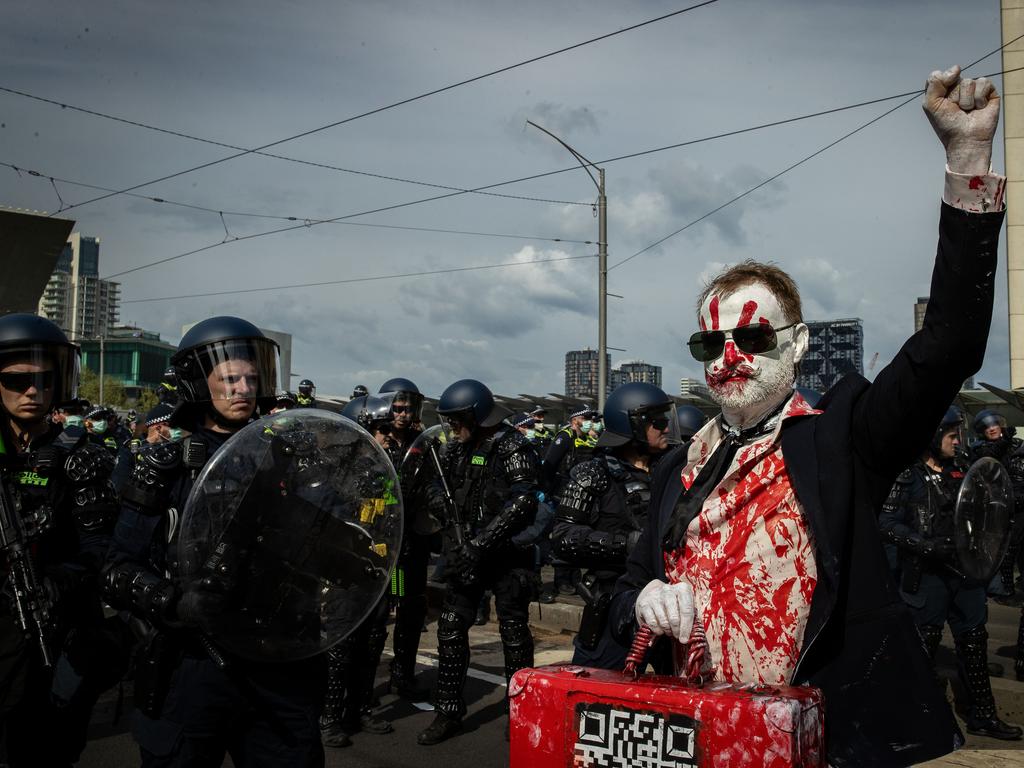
(147, 401)
(113, 390)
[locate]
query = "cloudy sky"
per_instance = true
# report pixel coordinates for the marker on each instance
(855, 225)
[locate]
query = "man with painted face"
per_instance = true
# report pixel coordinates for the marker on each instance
(56, 488)
(189, 710)
(603, 509)
(491, 474)
(918, 519)
(767, 532)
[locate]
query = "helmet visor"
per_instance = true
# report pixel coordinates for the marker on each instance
(402, 402)
(237, 369)
(648, 423)
(49, 369)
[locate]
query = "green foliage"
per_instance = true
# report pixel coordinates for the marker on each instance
(113, 390)
(146, 401)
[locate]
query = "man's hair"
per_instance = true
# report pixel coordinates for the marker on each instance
(778, 283)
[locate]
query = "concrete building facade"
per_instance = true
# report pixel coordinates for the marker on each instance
(1012, 19)
(75, 297)
(635, 370)
(836, 347)
(581, 372)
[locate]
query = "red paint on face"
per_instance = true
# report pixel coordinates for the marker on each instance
(747, 314)
(713, 309)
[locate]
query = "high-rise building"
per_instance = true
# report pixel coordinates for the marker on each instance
(694, 388)
(635, 370)
(836, 348)
(75, 297)
(919, 309)
(581, 372)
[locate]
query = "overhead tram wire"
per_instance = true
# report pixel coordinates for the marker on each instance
(402, 102)
(425, 273)
(279, 217)
(397, 206)
(225, 145)
(811, 156)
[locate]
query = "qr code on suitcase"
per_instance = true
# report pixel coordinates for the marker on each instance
(611, 737)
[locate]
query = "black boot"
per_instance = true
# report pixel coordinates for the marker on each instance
(453, 663)
(331, 730)
(972, 652)
(443, 727)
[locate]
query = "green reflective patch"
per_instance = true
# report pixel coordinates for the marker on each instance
(28, 477)
(479, 460)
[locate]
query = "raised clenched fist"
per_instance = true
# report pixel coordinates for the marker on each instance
(964, 114)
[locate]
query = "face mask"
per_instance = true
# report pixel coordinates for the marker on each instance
(598, 427)
(73, 421)
(587, 426)
(530, 434)
(176, 433)
(99, 427)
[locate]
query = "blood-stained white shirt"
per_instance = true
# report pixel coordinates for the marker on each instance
(749, 557)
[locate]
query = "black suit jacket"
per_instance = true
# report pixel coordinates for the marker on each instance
(883, 706)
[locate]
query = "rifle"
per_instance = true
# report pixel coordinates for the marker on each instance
(453, 509)
(30, 601)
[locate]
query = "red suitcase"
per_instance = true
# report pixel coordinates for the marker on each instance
(564, 715)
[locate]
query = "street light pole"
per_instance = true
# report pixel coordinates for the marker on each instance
(102, 339)
(602, 266)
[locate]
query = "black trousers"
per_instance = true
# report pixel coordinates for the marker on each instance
(513, 590)
(207, 715)
(410, 605)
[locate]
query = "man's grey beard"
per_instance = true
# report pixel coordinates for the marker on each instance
(773, 382)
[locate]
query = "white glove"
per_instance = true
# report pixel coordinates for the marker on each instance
(666, 608)
(964, 114)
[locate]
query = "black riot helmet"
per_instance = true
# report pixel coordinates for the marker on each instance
(471, 402)
(371, 413)
(690, 419)
(404, 391)
(630, 409)
(26, 338)
(986, 419)
(213, 343)
(307, 388)
(360, 390)
(952, 419)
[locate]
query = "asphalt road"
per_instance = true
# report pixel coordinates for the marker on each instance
(482, 744)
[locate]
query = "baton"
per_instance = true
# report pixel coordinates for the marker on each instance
(452, 506)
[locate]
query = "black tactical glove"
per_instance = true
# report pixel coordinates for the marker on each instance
(465, 562)
(198, 602)
(939, 548)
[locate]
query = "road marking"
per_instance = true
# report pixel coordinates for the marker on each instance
(479, 674)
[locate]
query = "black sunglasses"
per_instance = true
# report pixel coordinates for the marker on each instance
(400, 409)
(706, 346)
(22, 381)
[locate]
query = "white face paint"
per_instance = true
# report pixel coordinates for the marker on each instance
(747, 385)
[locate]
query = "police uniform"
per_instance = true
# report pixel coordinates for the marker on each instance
(602, 511)
(494, 487)
(61, 490)
(918, 519)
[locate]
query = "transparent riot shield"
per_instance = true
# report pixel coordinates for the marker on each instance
(984, 506)
(417, 468)
(289, 535)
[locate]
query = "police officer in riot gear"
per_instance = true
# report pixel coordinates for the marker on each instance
(992, 438)
(410, 592)
(167, 389)
(306, 397)
(918, 519)
(352, 663)
(604, 506)
(488, 495)
(60, 509)
(191, 706)
(359, 390)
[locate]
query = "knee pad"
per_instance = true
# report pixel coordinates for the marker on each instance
(515, 632)
(451, 627)
(972, 639)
